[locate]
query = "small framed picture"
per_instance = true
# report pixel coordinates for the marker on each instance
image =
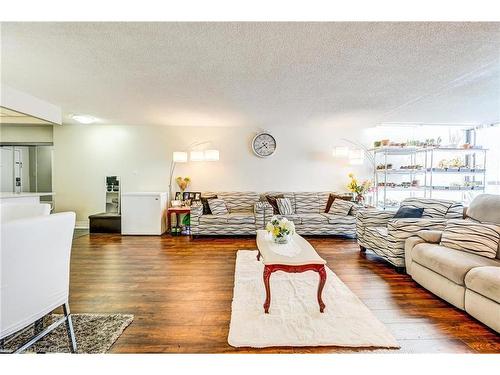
(178, 196)
(197, 196)
(191, 196)
(185, 196)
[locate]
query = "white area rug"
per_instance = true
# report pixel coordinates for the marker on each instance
(294, 318)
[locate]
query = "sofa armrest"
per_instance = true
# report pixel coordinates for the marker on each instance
(410, 243)
(430, 236)
(398, 230)
(263, 211)
(370, 218)
(194, 218)
(196, 212)
(356, 208)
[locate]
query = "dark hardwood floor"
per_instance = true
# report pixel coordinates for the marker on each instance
(180, 292)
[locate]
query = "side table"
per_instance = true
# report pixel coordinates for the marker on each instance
(177, 211)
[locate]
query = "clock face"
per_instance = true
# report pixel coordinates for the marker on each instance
(264, 145)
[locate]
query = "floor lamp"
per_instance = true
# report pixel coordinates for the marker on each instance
(182, 157)
(177, 157)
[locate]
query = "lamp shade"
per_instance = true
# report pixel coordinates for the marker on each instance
(197, 156)
(179, 156)
(212, 155)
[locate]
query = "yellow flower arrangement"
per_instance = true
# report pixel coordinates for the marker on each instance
(183, 182)
(358, 189)
(280, 229)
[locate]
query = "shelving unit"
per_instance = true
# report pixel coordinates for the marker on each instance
(474, 176)
(427, 177)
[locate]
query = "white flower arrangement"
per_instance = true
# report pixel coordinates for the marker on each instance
(280, 228)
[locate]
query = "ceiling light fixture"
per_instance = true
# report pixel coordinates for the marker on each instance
(84, 119)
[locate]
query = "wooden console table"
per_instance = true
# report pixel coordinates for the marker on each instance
(302, 257)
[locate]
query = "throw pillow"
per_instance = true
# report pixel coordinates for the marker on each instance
(341, 207)
(204, 203)
(218, 206)
(272, 201)
(284, 206)
(332, 197)
(409, 212)
(477, 238)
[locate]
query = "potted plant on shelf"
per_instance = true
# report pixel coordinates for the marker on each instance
(281, 229)
(358, 189)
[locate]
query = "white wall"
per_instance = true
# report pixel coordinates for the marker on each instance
(141, 155)
(25, 133)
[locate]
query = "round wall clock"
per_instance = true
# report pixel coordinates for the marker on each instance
(264, 145)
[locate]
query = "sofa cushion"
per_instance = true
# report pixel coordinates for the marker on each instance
(285, 206)
(204, 202)
(341, 207)
(307, 202)
(313, 218)
(239, 201)
(218, 206)
(340, 219)
(409, 212)
(213, 219)
(241, 218)
(450, 263)
(485, 281)
(433, 208)
(485, 208)
(272, 199)
(333, 196)
(477, 238)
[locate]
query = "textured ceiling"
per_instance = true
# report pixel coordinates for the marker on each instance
(259, 74)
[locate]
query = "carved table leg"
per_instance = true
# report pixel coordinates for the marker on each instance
(322, 280)
(267, 275)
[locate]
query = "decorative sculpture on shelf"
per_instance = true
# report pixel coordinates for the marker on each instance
(183, 183)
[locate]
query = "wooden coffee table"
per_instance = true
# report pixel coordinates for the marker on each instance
(296, 256)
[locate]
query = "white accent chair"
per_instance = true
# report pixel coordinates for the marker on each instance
(34, 265)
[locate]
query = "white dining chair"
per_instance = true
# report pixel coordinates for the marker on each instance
(34, 266)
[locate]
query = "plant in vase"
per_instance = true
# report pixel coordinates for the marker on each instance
(281, 229)
(183, 183)
(358, 189)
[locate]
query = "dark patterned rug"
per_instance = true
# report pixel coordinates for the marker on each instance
(95, 334)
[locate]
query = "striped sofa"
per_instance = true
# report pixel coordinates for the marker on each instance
(249, 211)
(377, 230)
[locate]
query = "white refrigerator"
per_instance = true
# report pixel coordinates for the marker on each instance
(144, 213)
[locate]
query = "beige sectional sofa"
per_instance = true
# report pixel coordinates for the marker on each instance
(249, 211)
(468, 281)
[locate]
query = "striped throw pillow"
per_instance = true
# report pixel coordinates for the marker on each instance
(477, 238)
(341, 207)
(218, 206)
(284, 206)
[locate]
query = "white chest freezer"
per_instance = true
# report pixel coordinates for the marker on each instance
(144, 213)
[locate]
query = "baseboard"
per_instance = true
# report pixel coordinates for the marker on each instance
(84, 224)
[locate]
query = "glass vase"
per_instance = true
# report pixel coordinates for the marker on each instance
(281, 239)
